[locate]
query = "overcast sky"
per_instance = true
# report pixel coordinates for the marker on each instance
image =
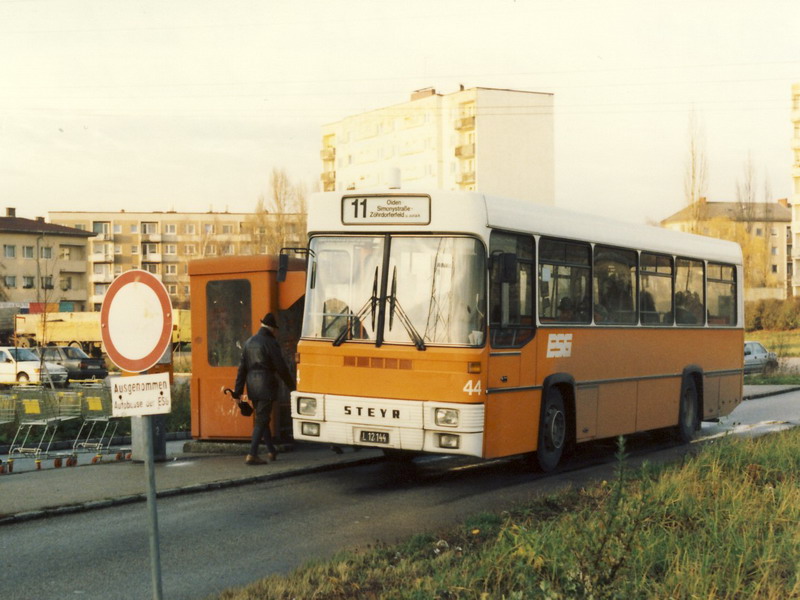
(189, 104)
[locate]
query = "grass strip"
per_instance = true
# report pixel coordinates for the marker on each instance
(724, 523)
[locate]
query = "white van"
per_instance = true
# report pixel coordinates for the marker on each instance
(20, 365)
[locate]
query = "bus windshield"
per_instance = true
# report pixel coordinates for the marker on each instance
(396, 289)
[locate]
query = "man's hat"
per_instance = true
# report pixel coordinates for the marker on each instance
(269, 320)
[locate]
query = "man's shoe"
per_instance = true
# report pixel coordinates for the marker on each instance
(254, 460)
(273, 456)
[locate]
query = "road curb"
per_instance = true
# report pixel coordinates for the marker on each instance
(69, 509)
(773, 392)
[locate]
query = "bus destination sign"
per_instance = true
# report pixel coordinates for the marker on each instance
(386, 210)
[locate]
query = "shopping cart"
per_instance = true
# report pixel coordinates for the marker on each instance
(96, 412)
(37, 408)
(8, 414)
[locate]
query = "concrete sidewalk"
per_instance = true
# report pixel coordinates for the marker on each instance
(33, 494)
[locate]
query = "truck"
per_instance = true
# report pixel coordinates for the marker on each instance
(80, 329)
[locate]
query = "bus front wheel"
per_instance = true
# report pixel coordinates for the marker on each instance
(687, 414)
(552, 431)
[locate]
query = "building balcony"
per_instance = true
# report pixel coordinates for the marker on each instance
(72, 266)
(153, 257)
(151, 237)
(465, 151)
(101, 277)
(328, 153)
(329, 177)
(101, 257)
(464, 123)
(466, 178)
(103, 237)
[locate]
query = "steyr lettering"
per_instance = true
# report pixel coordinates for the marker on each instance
(364, 411)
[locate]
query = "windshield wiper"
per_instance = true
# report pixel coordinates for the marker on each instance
(394, 305)
(369, 305)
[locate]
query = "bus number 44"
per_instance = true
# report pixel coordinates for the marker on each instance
(472, 387)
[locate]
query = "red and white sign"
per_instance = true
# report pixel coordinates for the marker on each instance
(136, 321)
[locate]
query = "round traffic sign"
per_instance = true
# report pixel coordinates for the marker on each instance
(136, 321)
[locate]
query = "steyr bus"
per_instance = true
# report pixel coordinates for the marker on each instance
(461, 323)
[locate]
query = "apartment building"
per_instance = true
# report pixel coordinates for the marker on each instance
(795, 116)
(491, 140)
(163, 243)
(42, 263)
(762, 229)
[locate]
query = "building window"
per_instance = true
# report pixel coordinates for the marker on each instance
(227, 229)
(9, 251)
(227, 249)
(172, 289)
(134, 249)
(46, 252)
(134, 228)
(27, 252)
(208, 228)
(80, 226)
(27, 282)
(66, 283)
(171, 269)
(170, 249)
(117, 249)
(189, 249)
(47, 282)
(101, 227)
(170, 228)
(190, 229)
(10, 281)
(211, 250)
(117, 228)
(774, 268)
(149, 228)
(150, 268)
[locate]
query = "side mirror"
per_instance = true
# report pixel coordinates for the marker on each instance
(283, 266)
(507, 268)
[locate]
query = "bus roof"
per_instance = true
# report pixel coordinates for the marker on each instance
(473, 212)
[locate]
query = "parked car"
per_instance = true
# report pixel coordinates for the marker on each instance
(20, 365)
(757, 359)
(79, 364)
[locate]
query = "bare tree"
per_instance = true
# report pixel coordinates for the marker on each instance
(281, 220)
(695, 180)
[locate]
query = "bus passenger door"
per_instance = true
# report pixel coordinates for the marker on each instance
(511, 410)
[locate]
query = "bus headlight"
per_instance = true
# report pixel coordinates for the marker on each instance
(307, 407)
(449, 440)
(447, 417)
(310, 429)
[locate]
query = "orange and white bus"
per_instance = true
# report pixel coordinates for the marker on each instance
(454, 322)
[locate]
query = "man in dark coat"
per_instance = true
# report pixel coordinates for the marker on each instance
(260, 367)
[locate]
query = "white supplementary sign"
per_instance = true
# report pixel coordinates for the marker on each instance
(386, 210)
(559, 345)
(140, 395)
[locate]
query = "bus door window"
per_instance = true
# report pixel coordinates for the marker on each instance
(614, 286)
(344, 279)
(655, 296)
(564, 276)
(721, 294)
(689, 292)
(436, 291)
(228, 320)
(511, 293)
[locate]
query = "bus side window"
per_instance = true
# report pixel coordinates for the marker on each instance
(511, 299)
(615, 286)
(564, 276)
(689, 292)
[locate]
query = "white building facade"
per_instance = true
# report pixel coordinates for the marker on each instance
(490, 140)
(795, 200)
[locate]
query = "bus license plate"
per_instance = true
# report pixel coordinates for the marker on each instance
(375, 437)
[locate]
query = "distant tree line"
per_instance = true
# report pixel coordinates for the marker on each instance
(773, 315)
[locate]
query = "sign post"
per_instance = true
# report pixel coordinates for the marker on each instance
(136, 326)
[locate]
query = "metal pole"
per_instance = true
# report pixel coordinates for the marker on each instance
(155, 558)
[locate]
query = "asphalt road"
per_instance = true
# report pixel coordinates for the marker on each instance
(234, 536)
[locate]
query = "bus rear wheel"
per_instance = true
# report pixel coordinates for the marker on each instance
(552, 431)
(687, 414)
